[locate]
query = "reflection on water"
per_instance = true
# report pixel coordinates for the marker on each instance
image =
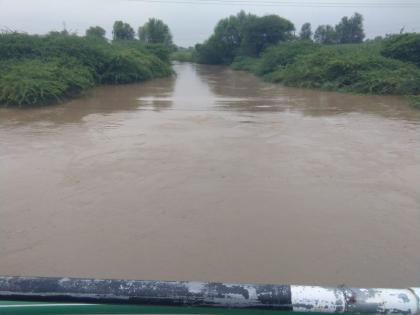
(213, 175)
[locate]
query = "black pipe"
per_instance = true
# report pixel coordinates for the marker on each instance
(170, 293)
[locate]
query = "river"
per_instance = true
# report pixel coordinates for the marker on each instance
(213, 175)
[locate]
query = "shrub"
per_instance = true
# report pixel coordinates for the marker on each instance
(183, 55)
(404, 47)
(247, 64)
(130, 66)
(278, 56)
(352, 72)
(31, 82)
(44, 69)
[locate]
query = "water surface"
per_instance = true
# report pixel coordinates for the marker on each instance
(213, 175)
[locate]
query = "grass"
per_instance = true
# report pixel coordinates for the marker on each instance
(40, 70)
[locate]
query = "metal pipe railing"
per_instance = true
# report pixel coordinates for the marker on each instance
(294, 298)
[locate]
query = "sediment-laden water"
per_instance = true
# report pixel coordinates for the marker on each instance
(213, 175)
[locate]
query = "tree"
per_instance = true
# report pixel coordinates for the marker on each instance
(155, 32)
(229, 34)
(122, 31)
(305, 32)
(243, 34)
(264, 31)
(96, 31)
(325, 34)
(350, 30)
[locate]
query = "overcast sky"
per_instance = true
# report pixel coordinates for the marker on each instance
(191, 23)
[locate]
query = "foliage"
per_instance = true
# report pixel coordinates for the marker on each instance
(155, 32)
(183, 54)
(247, 64)
(264, 31)
(212, 52)
(158, 50)
(281, 55)
(351, 72)
(43, 69)
(32, 82)
(358, 68)
(96, 31)
(122, 31)
(405, 47)
(325, 34)
(414, 101)
(350, 30)
(243, 35)
(305, 32)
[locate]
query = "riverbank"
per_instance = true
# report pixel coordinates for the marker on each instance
(355, 68)
(40, 70)
(338, 60)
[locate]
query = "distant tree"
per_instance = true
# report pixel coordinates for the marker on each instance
(325, 34)
(265, 31)
(243, 34)
(305, 32)
(229, 35)
(350, 30)
(96, 31)
(122, 31)
(155, 32)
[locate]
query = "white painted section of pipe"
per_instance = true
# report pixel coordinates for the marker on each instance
(317, 299)
(416, 292)
(355, 300)
(401, 301)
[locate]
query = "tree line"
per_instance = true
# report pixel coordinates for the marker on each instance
(247, 34)
(154, 31)
(347, 31)
(331, 58)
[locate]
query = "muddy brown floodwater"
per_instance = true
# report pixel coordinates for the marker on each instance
(213, 175)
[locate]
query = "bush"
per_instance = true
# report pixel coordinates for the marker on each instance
(31, 82)
(405, 47)
(351, 72)
(43, 69)
(183, 55)
(247, 64)
(129, 66)
(281, 55)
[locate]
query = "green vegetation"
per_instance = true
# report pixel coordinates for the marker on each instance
(96, 32)
(338, 60)
(122, 31)
(350, 72)
(243, 35)
(39, 70)
(414, 101)
(32, 81)
(183, 54)
(348, 31)
(305, 32)
(155, 32)
(405, 47)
